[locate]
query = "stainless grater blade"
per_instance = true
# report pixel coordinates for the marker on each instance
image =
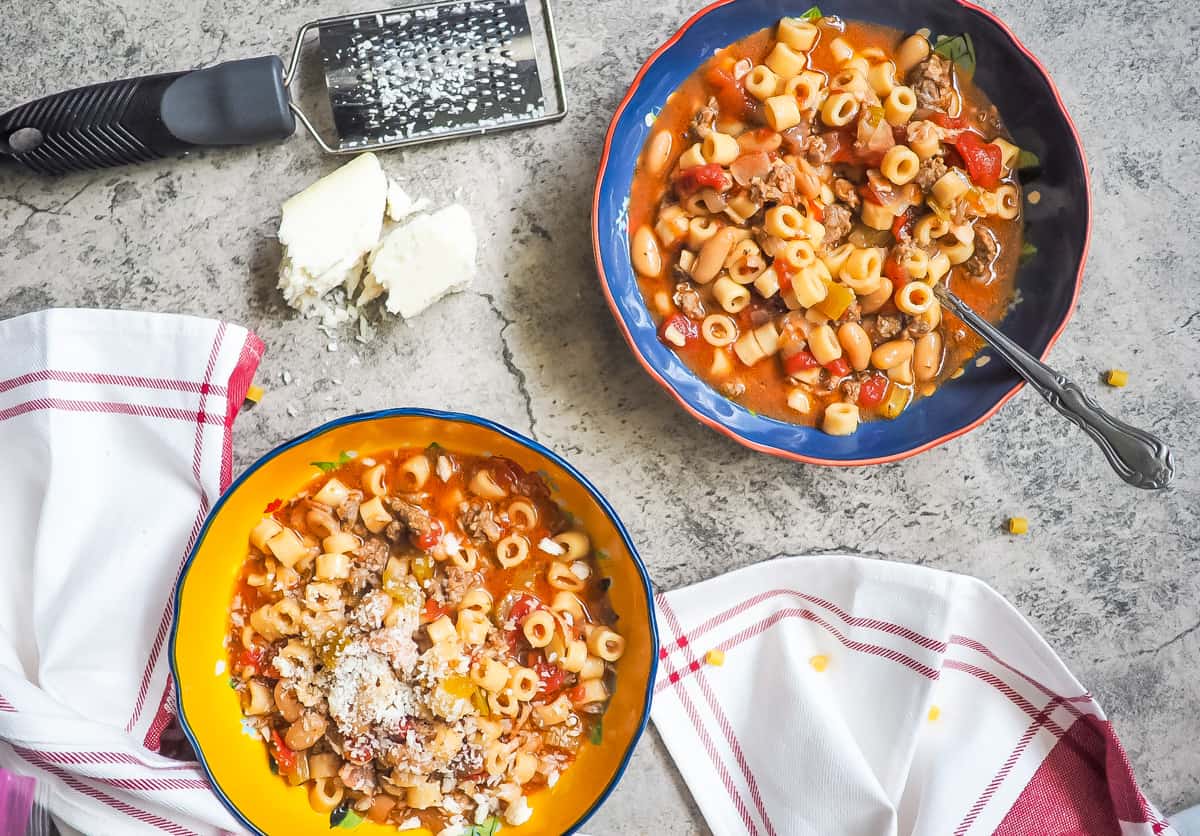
(436, 70)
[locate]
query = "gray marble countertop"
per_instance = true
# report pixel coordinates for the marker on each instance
(1107, 573)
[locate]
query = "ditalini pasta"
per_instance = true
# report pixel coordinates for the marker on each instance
(422, 634)
(797, 200)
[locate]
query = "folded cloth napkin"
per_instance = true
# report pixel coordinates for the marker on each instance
(862, 697)
(116, 431)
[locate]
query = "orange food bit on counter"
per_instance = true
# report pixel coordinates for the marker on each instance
(1116, 377)
(819, 663)
(715, 657)
(1018, 525)
(934, 713)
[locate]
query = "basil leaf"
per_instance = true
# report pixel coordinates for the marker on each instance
(812, 14)
(351, 820)
(347, 456)
(1028, 251)
(596, 735)
(1027, 159)
(325, 467)
(233, 683)
(338, 813)
(488, 827)
(959, 49)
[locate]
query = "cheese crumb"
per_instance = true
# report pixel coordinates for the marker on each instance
(518, 812)
(1018, 525)
(934, 713)
(715, 657)
(550, 547)
(819, 663)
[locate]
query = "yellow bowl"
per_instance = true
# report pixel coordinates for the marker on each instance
(209, 710)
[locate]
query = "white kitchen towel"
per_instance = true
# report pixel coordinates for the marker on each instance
(863, 697)
(116, 432)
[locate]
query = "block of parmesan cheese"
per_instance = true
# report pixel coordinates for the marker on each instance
(423, 260)
(328, 229)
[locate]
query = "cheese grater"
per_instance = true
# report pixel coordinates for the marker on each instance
(420, 72)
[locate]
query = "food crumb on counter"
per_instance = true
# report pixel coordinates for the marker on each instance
(255, 394)
(819, 662)
(715, 657)
(1116, 378)
(1018, 525)
(934, 713)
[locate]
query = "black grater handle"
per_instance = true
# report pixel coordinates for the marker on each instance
(142, 119)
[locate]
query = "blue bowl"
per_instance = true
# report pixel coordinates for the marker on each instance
(1058, 225)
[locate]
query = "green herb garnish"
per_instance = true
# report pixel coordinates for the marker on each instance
(342, 814)
(233, 683)
(488, 827)
(343, 458)
(596, 734)
(958, 49)
(351, 820)
(1028, 251)
(812, 14)
(1027, 159)
(601, 554)
(434, 449)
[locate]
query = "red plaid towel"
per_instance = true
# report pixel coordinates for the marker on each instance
(116, 429)
(862, 697)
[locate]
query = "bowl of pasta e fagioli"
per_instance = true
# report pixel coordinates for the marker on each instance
(783, 186)
(413, 621)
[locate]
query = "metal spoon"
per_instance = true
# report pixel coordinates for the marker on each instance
(1138, 457)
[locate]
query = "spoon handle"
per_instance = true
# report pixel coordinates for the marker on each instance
(1138, 457)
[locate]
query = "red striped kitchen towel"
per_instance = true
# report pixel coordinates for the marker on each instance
(858, 696)
(116, 429)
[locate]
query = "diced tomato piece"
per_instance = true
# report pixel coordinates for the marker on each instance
(799, 362)
(551, 676)
(873, 390)
(815, 211)
(731, 96)
(433, 611)
(839, 145)
(273, 506)
(429, 538)
(284, 756)
(251, 659)
(902, 226)
(678, 331)
(691, 180)
(523, 606)
(894, 271)
(576, 694)
(983, 160)
(839, 367)
(951, 123)
(784, 271)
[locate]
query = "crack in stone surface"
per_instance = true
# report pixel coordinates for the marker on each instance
(510, 363)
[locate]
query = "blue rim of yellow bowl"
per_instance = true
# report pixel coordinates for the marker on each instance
(459, 417)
